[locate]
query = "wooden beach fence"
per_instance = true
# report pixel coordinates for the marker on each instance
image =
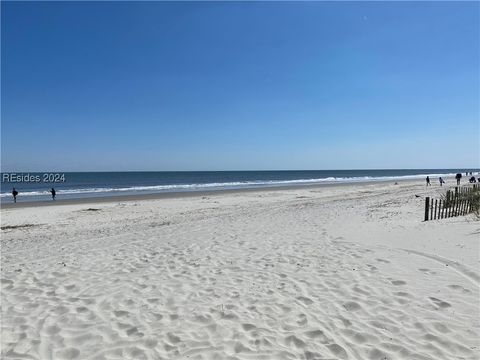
(456, 203)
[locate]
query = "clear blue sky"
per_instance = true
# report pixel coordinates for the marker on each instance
(223, 86)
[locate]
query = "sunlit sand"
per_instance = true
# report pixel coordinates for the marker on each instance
(343, 272)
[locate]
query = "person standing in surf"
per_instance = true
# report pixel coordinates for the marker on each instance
(53, 193)
(458, 177)
(441, 181)
(14, 194)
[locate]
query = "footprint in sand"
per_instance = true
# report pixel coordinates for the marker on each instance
(174, 339)
(157, 316)
(133, 331)
(318, 335)
(52, 330)
(151, 343)
(440, 303)
(69, 353)
(305, 300)
(302, 320)
(338, 351)
(6, 281)
(120, 313)
(248, 327)
(309, 355)
(240, 348)
(293, 340)
(376, 354)
(441, 328)
(458, 287)
(352, 306)
(372, 268)
(427, 271)
(203, 319)
(398, 282)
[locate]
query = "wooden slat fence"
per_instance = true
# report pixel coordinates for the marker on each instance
(456, 203)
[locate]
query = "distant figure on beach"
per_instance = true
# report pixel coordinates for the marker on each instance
(458, 177)
(441, 181)
(53, 193)
(472, 180)
(14, 193)
(428, 181)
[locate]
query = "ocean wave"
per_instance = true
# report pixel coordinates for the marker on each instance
(221, 185)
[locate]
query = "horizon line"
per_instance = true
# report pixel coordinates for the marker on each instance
(250, 170)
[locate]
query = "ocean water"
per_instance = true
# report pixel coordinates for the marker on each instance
(35, 186)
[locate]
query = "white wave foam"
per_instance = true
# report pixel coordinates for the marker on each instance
(218, 185)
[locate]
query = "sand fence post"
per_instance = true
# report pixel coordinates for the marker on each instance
(448, 199)
(427, 205)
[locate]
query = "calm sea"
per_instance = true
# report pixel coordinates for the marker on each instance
(35, 186)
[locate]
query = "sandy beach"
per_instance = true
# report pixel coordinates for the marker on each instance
(331, 272)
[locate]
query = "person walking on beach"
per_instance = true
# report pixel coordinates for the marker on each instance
(53, 193)
(14, 193)
(428, 181)
(441, 181)
(458, 177)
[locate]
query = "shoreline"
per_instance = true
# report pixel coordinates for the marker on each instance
(190, 194)
(111, 195)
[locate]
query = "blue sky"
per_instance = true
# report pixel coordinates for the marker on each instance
(90, 86)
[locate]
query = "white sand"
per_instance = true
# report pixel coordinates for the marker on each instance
(347, 272)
